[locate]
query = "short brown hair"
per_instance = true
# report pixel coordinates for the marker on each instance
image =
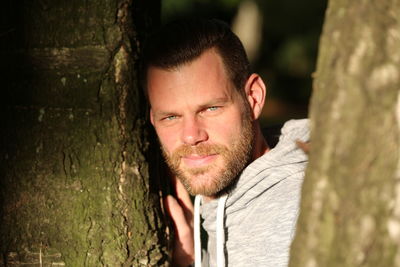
(183, 41)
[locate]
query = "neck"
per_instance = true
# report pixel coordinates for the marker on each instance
(260, 144)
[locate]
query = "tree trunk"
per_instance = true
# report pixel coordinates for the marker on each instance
(350, 210)
(75, 187)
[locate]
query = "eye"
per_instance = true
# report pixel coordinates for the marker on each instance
(213, 108)
(169, 118)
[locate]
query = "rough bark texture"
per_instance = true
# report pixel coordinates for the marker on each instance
(350, 210)
(74, 184)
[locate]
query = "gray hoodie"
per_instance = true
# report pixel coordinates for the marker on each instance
(255, 223)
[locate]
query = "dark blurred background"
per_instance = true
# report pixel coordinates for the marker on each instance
(281, 38)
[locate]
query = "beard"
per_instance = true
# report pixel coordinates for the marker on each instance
(213, 179)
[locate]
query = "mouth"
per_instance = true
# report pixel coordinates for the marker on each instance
(195, 161)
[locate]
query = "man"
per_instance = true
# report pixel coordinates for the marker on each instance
(204, 105)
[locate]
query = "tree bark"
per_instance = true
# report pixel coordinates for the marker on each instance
(350, 210)
(75, 187)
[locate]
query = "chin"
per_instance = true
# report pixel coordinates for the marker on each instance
(208, 185)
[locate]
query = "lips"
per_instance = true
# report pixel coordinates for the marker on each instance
(195, 160)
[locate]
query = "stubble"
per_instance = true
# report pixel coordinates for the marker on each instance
(211, 180)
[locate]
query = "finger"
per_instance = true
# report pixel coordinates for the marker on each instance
(183, 195)
(183, 254)
(185, 201)
(305, 146)
(176, 212)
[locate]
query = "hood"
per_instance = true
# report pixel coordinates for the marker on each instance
(277, 164)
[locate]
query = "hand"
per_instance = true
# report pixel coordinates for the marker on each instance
(181, 211)
(305, 146)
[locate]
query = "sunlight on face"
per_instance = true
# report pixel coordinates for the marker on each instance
(204, 125)
(212, 179)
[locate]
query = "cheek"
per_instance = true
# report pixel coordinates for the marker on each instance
(228, 130)
(167, 139)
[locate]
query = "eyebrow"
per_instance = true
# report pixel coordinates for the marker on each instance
(213, 102)
(216, 101)
(160, 114)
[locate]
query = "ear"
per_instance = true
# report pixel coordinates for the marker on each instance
(151, 117)
(255, 92)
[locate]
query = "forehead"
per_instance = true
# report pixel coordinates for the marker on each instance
(204, 77)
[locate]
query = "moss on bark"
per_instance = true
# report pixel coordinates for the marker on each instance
(75, 185)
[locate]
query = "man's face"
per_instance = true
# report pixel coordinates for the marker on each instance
(203, 124)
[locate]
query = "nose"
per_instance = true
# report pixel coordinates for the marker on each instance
(193, 132)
